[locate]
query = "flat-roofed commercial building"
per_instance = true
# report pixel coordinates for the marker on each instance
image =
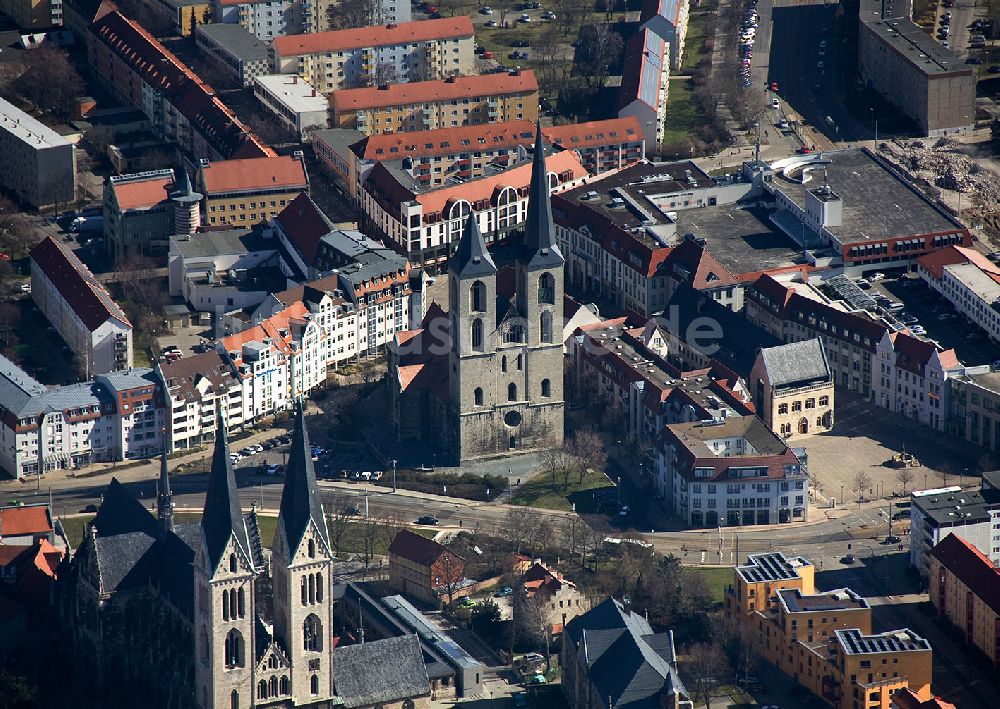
(974, 515)
(39, 165)
(233, 50)
(292, 101)
(430, 49)
(911, 70)
(446, 103)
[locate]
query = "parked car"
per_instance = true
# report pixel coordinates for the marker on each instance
(775, 104)
(376, 475)
(525, 17)
(487, 10)
(490, 23)
(521, 43)
(504, 592)
(623, 512)
(427, 520)
(272, 469)
(466, 602)
(849, 559)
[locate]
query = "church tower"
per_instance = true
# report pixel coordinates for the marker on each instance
(301, 562)
(224, 608)
(164, 497)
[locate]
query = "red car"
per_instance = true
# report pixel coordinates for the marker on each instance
(774, 86)
(804, 150)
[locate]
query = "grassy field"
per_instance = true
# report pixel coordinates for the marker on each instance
(540, 491)
(694, 43)
(351, 543)
(682, 114)
(716, 578)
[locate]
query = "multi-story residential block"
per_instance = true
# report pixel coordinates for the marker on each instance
(196, 388)
(668, 19)
(425, 223)
(824, 639)
(139, 213)
(973, 515)
(39, 165)
(912, 71)
(730, 472)
(264, 19)
(969, 281)
(625, 369)
(233, 50)
(850, 339)
(974, 407)
(183, 15)
(645, 84)
(80, 309)
(118, 416)
(603, 146)
(139, 71)
(911, 378)
(557, 597)
(628, 666)
(793, 388)
(248, 192)
(294, 103)
(965, 591)
(33, 15)
(423, 569)
(444, 103)
(412, 51)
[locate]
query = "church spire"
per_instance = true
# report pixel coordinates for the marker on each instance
(222, 518)
(539, 231)
(164, 497)
(300, 500)
(471, 258)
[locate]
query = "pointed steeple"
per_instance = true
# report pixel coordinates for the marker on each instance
(539, 231)
(164, 497)
(300, 500)
(222, 518)
(471, 258)
(182, 191)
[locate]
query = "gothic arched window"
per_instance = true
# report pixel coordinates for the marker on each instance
(262, 690)
(546, 388)
(232, 563)
(234, 648)
(512, 392)
(312, 549)
(314, 684)
(477, 297)
(477, 396)
(545, 326)
(234, 700)
(477, 335)
(273, 686)
(503, 363)
(240, 607)
(547, 289)
(225, 605)
(319, 588)
(284, 684)
(312, 634)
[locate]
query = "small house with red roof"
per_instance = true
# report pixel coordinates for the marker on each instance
(25, 524)
(557, 597)
(423, 569)
(80, 308)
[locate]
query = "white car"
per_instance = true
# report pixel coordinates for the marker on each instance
(25, 287)
(819, 65)
(783, 124)
(525, 17)
(877, 276)
(774, 103)
(487, 10)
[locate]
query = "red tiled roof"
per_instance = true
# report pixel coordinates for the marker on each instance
(420, 92)
(142, 194)
(706, 271)
(416, 548)
(378, 36)
(305, 225)
(905, 698)
(20, 521)
(444, 141)
(913, 354)
(262, 173)
(76, 284)
(935, 261)
(585, 135)
(971, 567)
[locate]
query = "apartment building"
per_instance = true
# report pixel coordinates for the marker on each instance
(824, 639)
(793, 388)
(969, 281)
(911, 378)
(423, 224)
(115, 417)
(668, 19)
(965, 591)
(384, 54)
(438, 104)
(247, 192)
(33, 15)
(39, 165)
(625, 368)
(602, 146)
(422, 569)
(925, 80)
(138, 71)
(974, 407)
(731, 472)
(196, 388)
(973, 515)
(850, 339)
(292, 102)
(234, 51)
(264, 19)
(80, 309)
(646, 84)
(138, 213)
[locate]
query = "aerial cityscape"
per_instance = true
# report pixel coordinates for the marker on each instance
(385, 354)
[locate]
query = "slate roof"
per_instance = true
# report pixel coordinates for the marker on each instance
(117, 557)
(121, 513)
(76, 284)
(300, 499)
(222, 518)
(796, 363)
(626, 661)
(539, 230)
(471, 258)
(380, 672)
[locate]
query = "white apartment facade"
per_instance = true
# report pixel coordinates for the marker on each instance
(265, 19)
(80, 309)
(909, 377)
(39, 165)
(969, 281)
(731, 472)
(971, 514)
(197, 388)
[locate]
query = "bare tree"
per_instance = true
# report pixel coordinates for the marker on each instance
(517, 527)
(49, 82)
(371, 534)
(503, 7)
(452, 568)
(530, 615)
(339, 519)
(905, 476)
(10, 317)
(570, 14)
(587, 449)
(349, 14)
(600, 48)
(706, 664)
(861, 482)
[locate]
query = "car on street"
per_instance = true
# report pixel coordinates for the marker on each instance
(775, 103)
(466, 602)
(525, 17)
(504, 592)
(623, 512)
(490, 23)
(272, 469)
(774, 86)
(487, 10)
(848, 559)
(487, 55)
(918, 330)
(88, 508)
(783, 124)
(819, 65)
(427, 520)
(877, 276)
(376, 475)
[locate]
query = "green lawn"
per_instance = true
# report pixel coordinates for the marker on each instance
(717, 578)
(694, 41)
(682, 115)
(540, 491)
(351, 543)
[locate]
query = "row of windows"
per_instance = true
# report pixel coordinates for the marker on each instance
(810, 404)
(546, 389)
(312, 589)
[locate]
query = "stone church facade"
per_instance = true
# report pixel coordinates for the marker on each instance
(486, 378)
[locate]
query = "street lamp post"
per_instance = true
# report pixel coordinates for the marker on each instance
(619, 490)
(394, 475)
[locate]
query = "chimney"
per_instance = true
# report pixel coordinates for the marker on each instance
(313, 92)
